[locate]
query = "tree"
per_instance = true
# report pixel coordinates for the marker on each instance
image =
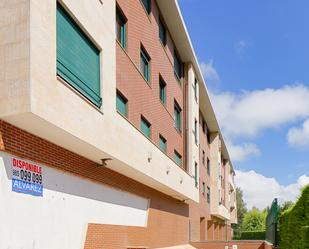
(286, 205)
(254, 220)
(241, 211)
(241, 205)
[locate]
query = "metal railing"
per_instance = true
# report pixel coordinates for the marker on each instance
(272, 223)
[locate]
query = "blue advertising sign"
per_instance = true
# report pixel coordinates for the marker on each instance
(27, 178)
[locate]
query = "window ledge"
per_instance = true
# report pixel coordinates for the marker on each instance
(136, 67)
(146, 12)
(65, 83)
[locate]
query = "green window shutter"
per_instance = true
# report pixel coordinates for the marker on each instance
(145, 65)
(78, 60)
(177, 116)
(121, 104)
(162, 144)
(177, 158)
(177, 66)
(147, 5)
(196, 175)
(121, 28)
(162, 32)
(145, 127)
(162, 85)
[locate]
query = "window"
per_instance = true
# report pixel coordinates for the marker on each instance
(162, 86)
(177, 66)
(196, 174)
(121, 104)
(145, 127)
(147, 5)
(204, 126)
(121, 23)
(208, 135)
(203, 188)
(208, 194)
(145, 64)
(78, 59)
(203, 157)
(195, 87)
(162, 143)
(208, 166)
(177, 158)
(162, 32)
(177, 116)
(195, 131)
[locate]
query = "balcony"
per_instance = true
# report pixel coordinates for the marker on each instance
(232, 184)
(33, 98)
(220, 212)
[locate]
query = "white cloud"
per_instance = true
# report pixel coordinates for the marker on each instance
(249, 112)
(240, 152)
(209, 72)
(299, 137)
(259, 191)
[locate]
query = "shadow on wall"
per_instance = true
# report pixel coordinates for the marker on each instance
(60, 181)
(68, 163)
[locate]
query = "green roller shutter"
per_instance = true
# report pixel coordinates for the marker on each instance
(121, 104)
(177, 158)
(162, 86)
(147, 4)
(78, 60)
(162, 144)
(145, 127)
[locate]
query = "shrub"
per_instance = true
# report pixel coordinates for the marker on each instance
(252, 235)
(294, 224)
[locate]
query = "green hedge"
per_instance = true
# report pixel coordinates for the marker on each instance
(294, 224)
(251, 235)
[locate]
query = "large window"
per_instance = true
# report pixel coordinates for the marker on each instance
(121, 27)
(177, 158)
(177, 66)
(162, 143)
(147, 5)
(162, 86)
(208, 194)
(177, 116)
(121, 104)
(162, 32)
(145, 64)
(78, 59)
(145, 127)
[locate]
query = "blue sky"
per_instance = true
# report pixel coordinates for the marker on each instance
(255, 57)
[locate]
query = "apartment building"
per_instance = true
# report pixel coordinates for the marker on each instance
(103, 116)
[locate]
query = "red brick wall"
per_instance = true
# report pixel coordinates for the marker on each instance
(167, 217)
(240, 244)
(143, 98)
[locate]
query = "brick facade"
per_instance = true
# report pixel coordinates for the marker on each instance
(167, 217)
(143, 97)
